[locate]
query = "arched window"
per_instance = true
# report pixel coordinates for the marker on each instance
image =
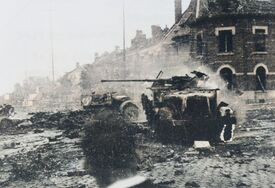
(261, 78)
(227, 76)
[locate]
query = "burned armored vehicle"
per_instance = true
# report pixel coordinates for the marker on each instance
(180, 110)
(108, 103)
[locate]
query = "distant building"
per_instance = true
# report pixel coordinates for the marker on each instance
(33, 100)
(74, 77)
(7, 98)
(158, 33)
(140, 40)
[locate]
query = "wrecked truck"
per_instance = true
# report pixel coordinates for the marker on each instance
(182, 111)
(108, 103)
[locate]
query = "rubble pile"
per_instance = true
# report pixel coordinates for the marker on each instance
(8, 126)
(38, 163)
(71, 122)
(261, 114)
(41, 160)
(59, 120)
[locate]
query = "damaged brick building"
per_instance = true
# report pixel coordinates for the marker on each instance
(235, 38)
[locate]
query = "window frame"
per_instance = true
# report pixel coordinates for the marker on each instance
(218, 31)
(225, 41)
(260, 47)
(199, 48)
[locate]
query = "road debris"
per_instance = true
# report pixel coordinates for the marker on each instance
(73, 149)
(201, 144)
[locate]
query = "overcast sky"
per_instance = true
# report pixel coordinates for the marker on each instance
(80, 28)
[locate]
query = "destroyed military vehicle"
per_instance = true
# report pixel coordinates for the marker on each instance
(6, 110)
(180, 110)
(107, 103)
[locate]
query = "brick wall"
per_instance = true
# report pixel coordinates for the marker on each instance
(243, 59)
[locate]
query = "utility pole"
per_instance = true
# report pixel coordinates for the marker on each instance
(124, 43)
(51, 39)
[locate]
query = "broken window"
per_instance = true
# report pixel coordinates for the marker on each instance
(260, 38)
(199, 44)
(225, 41)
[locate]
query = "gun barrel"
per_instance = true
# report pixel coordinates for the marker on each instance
(145, 80)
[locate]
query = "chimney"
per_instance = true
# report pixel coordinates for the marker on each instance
(178, 10)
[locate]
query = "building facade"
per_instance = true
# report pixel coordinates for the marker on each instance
(235, 38)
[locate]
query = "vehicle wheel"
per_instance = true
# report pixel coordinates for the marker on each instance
(130, 112)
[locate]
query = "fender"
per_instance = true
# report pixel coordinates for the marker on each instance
(124, 104)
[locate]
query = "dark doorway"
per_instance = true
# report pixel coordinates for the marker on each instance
(227, 76)
(261, 79)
